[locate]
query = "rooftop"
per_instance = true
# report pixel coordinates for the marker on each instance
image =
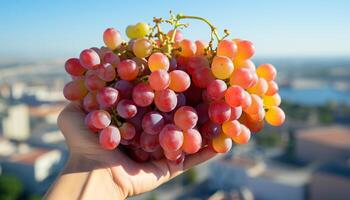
(29, 157)
(336, 136)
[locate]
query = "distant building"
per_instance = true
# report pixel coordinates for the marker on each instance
(35, 167)
(331, 181)
(323, 144)
(266, 180)
(15, 122)
(241, 194)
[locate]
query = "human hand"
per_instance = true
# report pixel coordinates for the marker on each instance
(127, 176)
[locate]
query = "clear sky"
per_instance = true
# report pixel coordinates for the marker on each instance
(61, 28)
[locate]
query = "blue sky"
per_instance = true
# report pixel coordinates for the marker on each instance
(62, 28)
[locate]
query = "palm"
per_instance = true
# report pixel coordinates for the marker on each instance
(130, 176)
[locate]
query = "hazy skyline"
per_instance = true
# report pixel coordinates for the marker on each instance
(62, 28)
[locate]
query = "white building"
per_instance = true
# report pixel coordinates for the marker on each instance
(15, 122)
(266, 180)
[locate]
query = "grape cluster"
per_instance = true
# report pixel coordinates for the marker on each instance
(161, 95)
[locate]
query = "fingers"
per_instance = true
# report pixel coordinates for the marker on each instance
(203, 155)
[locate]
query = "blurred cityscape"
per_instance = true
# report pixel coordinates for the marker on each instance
(306, 158)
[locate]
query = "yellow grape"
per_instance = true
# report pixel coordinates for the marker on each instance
(130, 32)
(245, 49)
(222, 143)
(275, 116)
(272, 88)
(255, 105)
(142, 48)
(112, 38)
(244, 136)
(259, 88)
(222, 67)
(231, 128)
(267, 71)
(158, 61)
(187, 48)
(274, 100)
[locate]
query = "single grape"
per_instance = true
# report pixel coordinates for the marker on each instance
(219, 112)
(187, 48)
(142, 48)
(274, 100)
(110, 137)
(260, 88)
(126, 108)
(130, 32)
(185, 117)
(231, 128)
(111, 58)
(158, 61)
(221, 143)
(272, 88)
(74, 68)
(165, 100)
(148, 142)
(89, 59)
(236, 112)
(88, 123)
(247, 101)
(202, 77)
(93, 82)
(159, 80)
(141, 30)
(142, 94)
(201, 45)
(256, 104)
(179, 81)
(173, 155)
(192, 141)
(125, 88)
(267, 71)
(246, 64)
(210, 130)
(112, 38)
(221, 67)
(152, 122)
(275, 116)
(227, 48)
(90, 102)
(107, 97)
(99, 119)
(242, 77)
(195, 62)
(216, 89)
(243, 137)
(106, 72)
(234, 96)
(142, 65)
(245, 50)
(170, 138)
(75, 90)
(128, 70)
(127, 131)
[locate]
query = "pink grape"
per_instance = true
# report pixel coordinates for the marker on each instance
(127, 131)
(178, 35)
(142, 95)
(186, 117)
(158, 61)
(159, 80)
(75, 90)
(216, 89)
(219, 112)
(128, 70)
(106, 72)
(112, 38)
(179, 81)
(202, 77)
(236, 112)
(93, 82)
(148, 142)
(107, 97)
(126, 108)
(192, 141)
(88, 123)
(165, 100)
(111, 58)
(196, 62)
(170, 138)
(227, 48)
(74, 68)
(152, 122)
(173, 155)
(187, 48)
(89, 59)
(242, 77)
(99, 119)
(234, 96)
(110, 137)
(90, 102)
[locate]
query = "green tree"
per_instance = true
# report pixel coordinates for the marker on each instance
(152, 196)
(190, 177)
(10, 187)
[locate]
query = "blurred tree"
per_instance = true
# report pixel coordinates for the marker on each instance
(152, 196)
(10, 187)
(268, 139)
(190, 177)
(34, 197)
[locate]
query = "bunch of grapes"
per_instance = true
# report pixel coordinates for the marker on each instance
(162, 95)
